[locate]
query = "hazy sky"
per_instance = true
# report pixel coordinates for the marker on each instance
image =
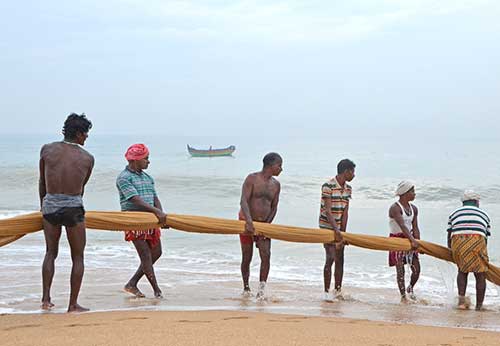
(243, 67)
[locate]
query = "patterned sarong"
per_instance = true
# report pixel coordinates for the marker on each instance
(404, 257)
(152, 236)
(470, 253)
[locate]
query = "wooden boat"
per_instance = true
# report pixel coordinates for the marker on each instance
(211, 152)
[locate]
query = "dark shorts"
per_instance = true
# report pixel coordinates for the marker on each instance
(67, 216)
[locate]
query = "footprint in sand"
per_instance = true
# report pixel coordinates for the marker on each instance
(132, 318)
(188, 321)
(21, 327)
(236, 318)
(85, 325)
(286, 321)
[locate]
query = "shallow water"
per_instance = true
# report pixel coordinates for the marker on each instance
(200, 271)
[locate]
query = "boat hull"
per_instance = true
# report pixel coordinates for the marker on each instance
(211, 152)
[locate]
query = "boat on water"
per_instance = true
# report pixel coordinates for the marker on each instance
(211, 152)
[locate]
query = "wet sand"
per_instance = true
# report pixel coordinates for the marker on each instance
(223, 328)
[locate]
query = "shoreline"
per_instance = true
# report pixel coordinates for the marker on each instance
(222, 327)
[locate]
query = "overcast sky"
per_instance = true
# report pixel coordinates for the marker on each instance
(243, 67)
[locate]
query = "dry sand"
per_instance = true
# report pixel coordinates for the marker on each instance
(223, 328)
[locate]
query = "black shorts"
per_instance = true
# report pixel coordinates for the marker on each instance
(67, 216)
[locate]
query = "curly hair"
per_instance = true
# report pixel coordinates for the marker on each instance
(74, 124)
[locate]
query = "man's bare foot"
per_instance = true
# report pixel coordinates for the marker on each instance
(411, 294)
(404, 300)
(463, 303)
(338, 294)
(246, 292)
(77, 308)
(134, 291)
(159, 295)
(47, 305)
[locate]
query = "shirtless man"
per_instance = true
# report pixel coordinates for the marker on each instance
(259, 202)
(65, 168)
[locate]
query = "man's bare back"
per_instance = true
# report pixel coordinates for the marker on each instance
(65, 168)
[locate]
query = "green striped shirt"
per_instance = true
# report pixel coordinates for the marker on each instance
(130, 184)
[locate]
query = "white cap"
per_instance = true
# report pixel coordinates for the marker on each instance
(470, 195)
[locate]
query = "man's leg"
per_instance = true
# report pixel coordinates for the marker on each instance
(480, 289)
(77, 240)
(264, 245)
(131, 286)
(339, 267)
(400, 278)
(246, 258)
(52, 235)
(462, 286)
(327, 269)
(415, 274)
(145, 255)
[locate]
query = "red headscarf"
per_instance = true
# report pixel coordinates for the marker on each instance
(136, 152)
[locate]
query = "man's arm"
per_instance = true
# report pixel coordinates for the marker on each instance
(396, 213)
(345, 217)
(157, 205)
(89, 173)
(274, 204)
(139, 202)
(450, 228)
(331, 219)
(42, 189)
(246, 194)
(416, 230)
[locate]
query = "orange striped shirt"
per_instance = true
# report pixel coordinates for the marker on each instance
(339, 196)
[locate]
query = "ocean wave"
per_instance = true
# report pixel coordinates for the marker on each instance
(20, 188)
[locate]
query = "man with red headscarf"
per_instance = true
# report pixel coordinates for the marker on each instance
(137, 193)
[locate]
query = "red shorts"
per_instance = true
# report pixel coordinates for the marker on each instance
(152, 236)
(249, 239)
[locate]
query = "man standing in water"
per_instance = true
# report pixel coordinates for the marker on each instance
(403, 224)
(259, 202)
(335, 195)
(137, 193)
(468, 227)
(65, 168)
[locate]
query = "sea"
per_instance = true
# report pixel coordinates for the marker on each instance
(202, 271)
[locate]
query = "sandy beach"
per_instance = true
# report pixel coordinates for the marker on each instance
(223, 328)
